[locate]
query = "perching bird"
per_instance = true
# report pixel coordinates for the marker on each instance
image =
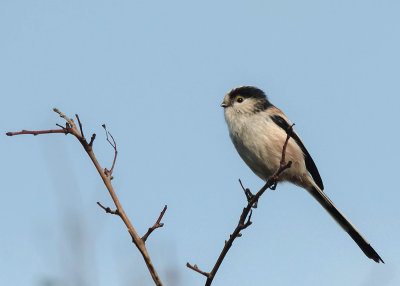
(258, 131)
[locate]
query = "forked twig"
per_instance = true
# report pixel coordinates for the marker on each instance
(247, 211)
(156, 225)
(114, 145)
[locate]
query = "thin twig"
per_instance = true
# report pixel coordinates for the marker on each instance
(247, 211)
(114, 145)
(156, 225)
(66, 128)
(283, 165)
(195, 268)
(246, 191)
(108, 210)
(92, 139)
(80, 125)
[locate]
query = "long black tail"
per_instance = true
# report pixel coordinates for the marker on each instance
(323, 199)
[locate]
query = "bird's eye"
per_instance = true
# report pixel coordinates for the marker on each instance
(239, 99)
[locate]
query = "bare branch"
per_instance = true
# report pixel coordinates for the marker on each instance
(247, 211)
(105, 175)
(34, 133)
(156, 225)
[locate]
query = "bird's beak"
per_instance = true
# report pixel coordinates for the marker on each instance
(226, 102)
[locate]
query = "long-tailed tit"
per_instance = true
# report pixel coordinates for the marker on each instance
(258, 131)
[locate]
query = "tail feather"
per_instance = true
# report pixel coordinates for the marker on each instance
(365, 246)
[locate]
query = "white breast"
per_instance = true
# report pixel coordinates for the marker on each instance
(259, 142)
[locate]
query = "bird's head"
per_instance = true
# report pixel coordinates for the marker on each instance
(245, 100)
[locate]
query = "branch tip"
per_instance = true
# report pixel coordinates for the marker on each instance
(157, 224)
(66, 118)
(80, 125)
(196, 268)
(108, 210)
(245, 217)
(92, 139)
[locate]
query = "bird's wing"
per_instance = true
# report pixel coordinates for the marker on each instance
(310, 165)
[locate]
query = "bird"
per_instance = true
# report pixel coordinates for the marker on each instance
(258, 131)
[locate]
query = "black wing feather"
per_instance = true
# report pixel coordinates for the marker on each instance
(311, 167)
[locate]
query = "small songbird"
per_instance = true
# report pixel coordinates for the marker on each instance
(258, 130)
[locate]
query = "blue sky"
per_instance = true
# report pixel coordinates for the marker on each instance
(155, 73)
